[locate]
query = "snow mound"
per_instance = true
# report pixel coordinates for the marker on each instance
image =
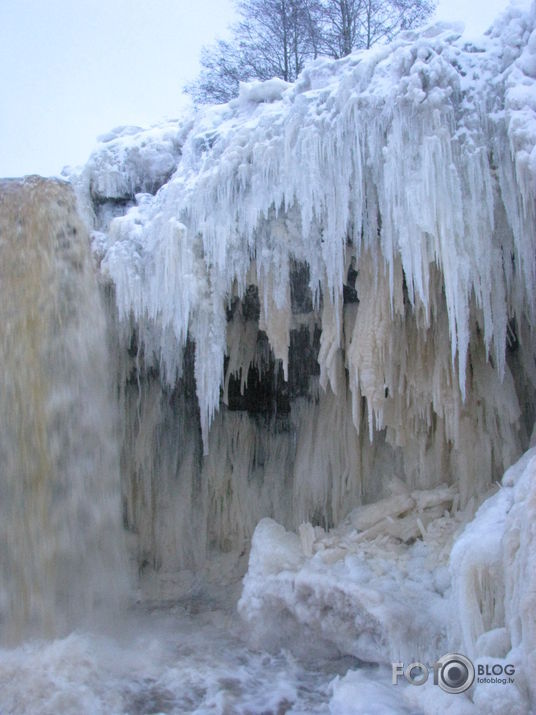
(268, 91)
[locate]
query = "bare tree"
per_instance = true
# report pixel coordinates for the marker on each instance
(222, 71)
(278, 35)
(275, 38)
(341, 26)
(349, 25)
(382, 20)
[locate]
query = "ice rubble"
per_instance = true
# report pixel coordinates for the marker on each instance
(369, 586)
(382, 595)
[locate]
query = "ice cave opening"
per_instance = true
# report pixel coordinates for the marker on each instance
(268, 392)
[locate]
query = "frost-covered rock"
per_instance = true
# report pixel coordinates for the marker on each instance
(131, 160)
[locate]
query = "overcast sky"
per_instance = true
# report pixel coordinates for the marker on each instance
(73, 69)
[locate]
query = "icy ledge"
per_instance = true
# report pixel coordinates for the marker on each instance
(397, 582)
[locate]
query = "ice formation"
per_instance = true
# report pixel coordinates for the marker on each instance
(320, 304)
(381, 594)
(336, 282)
(325, 309)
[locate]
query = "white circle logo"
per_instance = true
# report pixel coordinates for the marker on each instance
(456, 673)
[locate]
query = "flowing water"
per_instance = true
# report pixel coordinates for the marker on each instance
(62, 555)
(173, 662)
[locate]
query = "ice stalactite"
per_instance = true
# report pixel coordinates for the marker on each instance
(60, 513)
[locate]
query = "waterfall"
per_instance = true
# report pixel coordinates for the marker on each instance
(334, 289)
(60, 516)
(296, 361)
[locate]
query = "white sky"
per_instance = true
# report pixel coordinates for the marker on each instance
(73, 69)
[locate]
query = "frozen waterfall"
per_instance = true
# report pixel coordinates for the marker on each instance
(301, 353)
(336, 284)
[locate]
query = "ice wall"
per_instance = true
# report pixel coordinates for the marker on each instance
(492, 566)
(62, 555)
(341, 269)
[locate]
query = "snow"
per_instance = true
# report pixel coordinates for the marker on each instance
(268, 91)
(135, 160)
(356, 693)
